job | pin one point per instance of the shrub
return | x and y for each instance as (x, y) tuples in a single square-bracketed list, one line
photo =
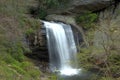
[(30, 69), (29, 32), (53, 77), (18, 69), (56, 3), (114, 64), (16, 51), (86, 19), (107, 78), (7, 73), (26, 65), (13, 23), (84, 58), (34, 24), (41, 13)]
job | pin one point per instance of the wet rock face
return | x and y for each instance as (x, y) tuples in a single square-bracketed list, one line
[(78, 6), (38, 45)]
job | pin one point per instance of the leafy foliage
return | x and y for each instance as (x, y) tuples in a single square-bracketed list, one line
[(43, 5), (103, 52), (41, 13), (86, 19), (13, 24), (29, 32), (56, 3)]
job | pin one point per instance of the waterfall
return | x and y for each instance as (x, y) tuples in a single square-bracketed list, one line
[(62, 48)]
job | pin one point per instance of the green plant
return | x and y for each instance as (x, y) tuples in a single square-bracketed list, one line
[(30, 69), (7, 73), (34, 24), (43, 5), (114, 63), (18, 69), (41, 13), (26, 65), (56, 3), (16, 51), (53, 77), (107, 78), (86, 19), (13, 24), (84, 58), (52, 3), (29, 31), (7, 58)]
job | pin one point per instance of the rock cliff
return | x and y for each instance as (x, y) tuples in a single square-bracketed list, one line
[(78, 6)]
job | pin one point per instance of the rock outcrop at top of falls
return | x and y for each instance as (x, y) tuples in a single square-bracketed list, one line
[(78, 6)]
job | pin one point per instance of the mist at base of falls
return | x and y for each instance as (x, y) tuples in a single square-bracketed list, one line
[(62, 48), (69, 71)]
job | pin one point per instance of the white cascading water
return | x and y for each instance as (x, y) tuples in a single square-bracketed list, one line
[(62, 48)]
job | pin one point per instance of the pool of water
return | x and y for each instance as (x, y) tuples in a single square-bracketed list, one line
[(82, 75)]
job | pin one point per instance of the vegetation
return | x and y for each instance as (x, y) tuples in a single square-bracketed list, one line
[(14, 22), (41, 12), (87, 19), (103, 53), (55, 3)]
